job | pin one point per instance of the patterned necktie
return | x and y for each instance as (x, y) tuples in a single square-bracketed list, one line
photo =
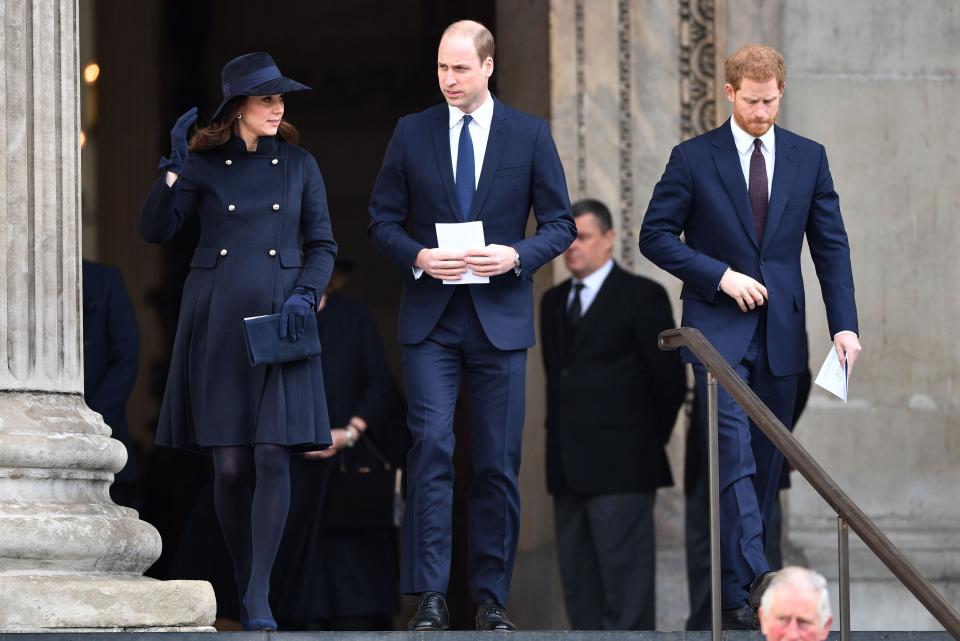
[(759, 199), (575, 311), (466, 172)]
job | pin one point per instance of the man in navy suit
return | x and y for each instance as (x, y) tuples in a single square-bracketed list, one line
[(471, 159), (111, 349), (744, 196)]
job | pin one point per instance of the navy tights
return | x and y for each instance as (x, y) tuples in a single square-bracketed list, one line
[(251, 492)]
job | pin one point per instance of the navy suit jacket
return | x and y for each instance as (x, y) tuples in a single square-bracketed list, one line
[(703, 195), (415, 189)]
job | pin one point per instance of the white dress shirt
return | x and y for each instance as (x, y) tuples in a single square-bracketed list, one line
[(744, 144), (591, 286), (479, 133)]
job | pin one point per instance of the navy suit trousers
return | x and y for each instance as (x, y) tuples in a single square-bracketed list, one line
[(749, 468), (457, 349)]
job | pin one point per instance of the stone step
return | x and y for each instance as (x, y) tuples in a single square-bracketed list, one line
[(538, 635)]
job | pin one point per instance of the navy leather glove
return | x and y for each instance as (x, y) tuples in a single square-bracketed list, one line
[(293, 315), (178, 143)]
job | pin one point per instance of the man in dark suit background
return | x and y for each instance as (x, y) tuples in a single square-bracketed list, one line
[(471, 159), (111, 348), (612, 399), (745, 196)]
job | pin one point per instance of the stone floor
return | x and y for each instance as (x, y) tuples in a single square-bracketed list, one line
[(460, 636)]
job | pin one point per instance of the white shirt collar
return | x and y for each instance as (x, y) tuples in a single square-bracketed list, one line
[(744, 141), (594, 280), (482, 115)]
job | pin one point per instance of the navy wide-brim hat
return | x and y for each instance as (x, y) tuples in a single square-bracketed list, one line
[(253, 74)]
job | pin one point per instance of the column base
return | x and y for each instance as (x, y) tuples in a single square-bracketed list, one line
[(104, 603)]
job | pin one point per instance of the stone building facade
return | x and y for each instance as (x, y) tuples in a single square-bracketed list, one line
[(621, 82)]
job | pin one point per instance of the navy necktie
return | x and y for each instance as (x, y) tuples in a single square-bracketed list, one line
[(466, 171), (759, 199)]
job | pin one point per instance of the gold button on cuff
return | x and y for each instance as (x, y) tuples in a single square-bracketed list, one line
[(274, 161), (231, 207), (228, 162), (273, 252), (223, 252), (276, 207)]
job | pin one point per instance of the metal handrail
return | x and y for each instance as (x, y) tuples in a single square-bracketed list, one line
[(849, 513)]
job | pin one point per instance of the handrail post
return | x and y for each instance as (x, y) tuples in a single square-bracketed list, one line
[(713, 454), (843, 558)]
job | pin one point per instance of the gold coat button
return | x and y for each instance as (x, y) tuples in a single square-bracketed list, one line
[(228, 162), (276, 206), (273, 252), (223, 252), (274, 161), (231, 207)]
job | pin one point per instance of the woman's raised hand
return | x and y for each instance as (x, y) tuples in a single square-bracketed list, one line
[(178, 142)]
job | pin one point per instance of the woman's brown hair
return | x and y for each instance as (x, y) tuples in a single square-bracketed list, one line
[(220, 130)]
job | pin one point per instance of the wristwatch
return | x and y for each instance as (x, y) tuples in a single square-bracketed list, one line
[(516, 261), (351, 435)]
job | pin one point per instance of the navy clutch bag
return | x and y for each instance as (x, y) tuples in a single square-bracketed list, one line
[(265, 347)]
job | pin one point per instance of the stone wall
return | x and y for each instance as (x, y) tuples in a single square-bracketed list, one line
[(877, 83)]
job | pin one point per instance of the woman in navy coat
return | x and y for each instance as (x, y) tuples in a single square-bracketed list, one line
[(266, 246)]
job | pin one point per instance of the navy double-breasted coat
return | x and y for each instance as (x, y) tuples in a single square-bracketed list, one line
[(265, 229)]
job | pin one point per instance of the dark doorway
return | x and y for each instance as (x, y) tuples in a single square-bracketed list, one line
[(368, 63)]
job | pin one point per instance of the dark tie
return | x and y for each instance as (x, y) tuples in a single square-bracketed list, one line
[(575, 311), (758, 188), (466, 173)]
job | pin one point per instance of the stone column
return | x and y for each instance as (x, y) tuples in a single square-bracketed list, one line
[(70, 559)]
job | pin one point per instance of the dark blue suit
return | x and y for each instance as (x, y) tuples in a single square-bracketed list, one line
[(480, 332), (703, 195), (111, 348)]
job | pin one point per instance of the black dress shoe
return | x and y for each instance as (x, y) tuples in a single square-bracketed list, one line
[(743, 618), (492, 616), (431, 613), (758, 586)]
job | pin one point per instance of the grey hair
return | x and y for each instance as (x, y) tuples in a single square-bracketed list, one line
[(803, 578)]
